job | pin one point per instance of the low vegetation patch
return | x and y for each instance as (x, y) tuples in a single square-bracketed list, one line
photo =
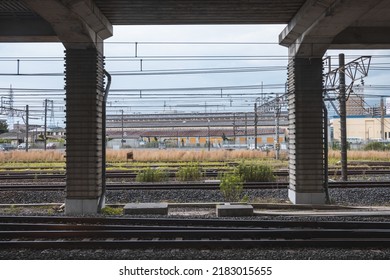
[(191, 172), (152, 175), (111, 211), (255, 172), (231, 187), (377, 146)]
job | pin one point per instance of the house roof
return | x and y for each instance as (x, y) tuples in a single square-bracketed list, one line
[(12, 135), (190, 133)]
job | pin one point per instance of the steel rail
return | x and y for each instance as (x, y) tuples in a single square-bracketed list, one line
[(198, 244), (123, 222), (31, 175), (189, 234), (189, 185), (81, 234)]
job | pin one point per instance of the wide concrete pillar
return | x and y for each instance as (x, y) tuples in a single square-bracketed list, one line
[(84, 97), (306, 140)]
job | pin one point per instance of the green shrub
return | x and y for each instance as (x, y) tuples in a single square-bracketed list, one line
[(191, 172), (255, 172), (231, 187), (112, 211), (377, 146), (151, 175)]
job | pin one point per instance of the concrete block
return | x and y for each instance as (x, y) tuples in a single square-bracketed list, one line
[(307, 197), (234, 210), (75, 206), (145, 209)]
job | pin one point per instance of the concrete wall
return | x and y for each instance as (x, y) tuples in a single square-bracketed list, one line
[(364, 128)]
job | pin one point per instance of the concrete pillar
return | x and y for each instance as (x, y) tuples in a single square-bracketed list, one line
[(84, 97), (306, 146)]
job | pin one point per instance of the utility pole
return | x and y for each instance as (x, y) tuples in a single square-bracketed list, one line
[(45, 128), (234, 128), (255, 125), (277, 115), (382, 118), (27, 127), (122, 131), (350, 70), (208, 130), (343, 118), (246, 129)]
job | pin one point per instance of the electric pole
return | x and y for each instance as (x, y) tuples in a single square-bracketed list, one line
[(343, 118), (246, 129), (122, 131), (234, 128), (208, 130), (277, 115), (256, 125), (350, 70), (382, 118), (27, 127), (45, 126)]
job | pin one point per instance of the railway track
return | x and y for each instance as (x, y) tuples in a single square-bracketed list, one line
[(211, 173), (188, 185), (175, 165), (132, 233)]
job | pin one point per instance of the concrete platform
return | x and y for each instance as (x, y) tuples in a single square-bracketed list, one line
[(145, 209), (234, 210)]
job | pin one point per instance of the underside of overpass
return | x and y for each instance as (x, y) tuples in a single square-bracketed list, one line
[(313, 26)]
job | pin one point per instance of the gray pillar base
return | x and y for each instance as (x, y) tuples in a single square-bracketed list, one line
[(82, 206), (234, 210), (146, 208), (306, 198)]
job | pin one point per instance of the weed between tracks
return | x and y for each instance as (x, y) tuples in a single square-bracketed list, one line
[(25, 210)]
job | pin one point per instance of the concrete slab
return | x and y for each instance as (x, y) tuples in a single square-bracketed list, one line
[(81, 206), (306, 198), (145, 209), (234, 210)]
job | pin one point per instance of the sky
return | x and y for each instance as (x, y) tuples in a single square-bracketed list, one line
[(184, 69)]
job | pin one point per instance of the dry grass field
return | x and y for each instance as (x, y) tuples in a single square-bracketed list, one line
[(32, 156), (170, 155), (361, 155)]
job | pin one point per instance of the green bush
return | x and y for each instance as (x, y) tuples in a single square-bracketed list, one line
[(231, 187), (377, 146), (336, 145), (255, 172), (191, 172), (112, 211), (152, 144), (151, 175)]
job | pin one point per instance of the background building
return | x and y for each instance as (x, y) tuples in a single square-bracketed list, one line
[(363, 127)]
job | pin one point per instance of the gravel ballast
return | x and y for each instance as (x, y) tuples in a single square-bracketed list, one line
[(352, 196), (343, 197)]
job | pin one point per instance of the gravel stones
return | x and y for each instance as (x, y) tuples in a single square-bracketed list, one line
[(357, 197), (354, 196)]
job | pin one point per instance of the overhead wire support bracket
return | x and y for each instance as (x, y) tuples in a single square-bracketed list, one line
[(351, 69)]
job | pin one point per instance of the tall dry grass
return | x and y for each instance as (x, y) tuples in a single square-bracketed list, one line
[(187, 155), (169, 155), (141, 155), (361, 155), (32, 156)]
